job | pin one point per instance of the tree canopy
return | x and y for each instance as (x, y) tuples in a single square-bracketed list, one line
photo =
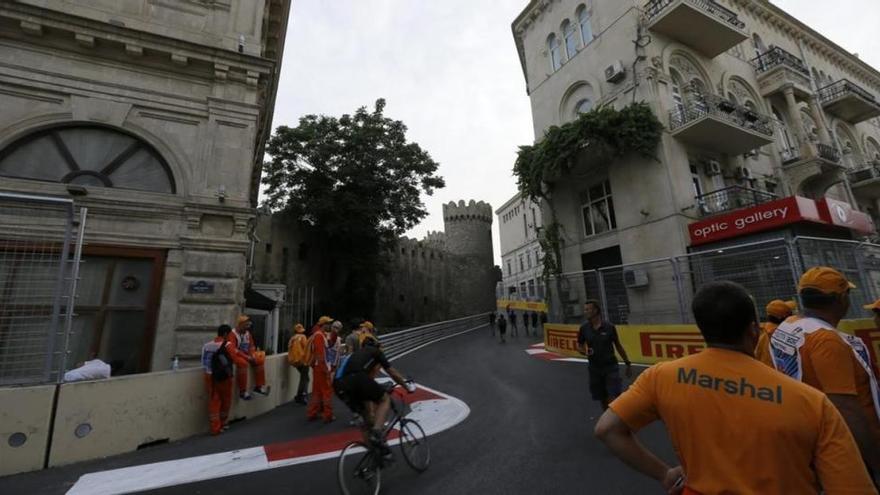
[(357, 182)]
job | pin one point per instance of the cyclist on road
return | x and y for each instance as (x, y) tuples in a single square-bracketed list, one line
[(355, 384)]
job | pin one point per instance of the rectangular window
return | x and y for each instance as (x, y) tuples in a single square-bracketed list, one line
[(268, 248), (522, 289), (525, 226), (597, 209), (532, 288), (534, 220), (697, 183), (522, 265), (509, 268), (528, 260)]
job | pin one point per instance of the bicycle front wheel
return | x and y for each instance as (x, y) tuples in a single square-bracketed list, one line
[(414, 445), (358, 470)]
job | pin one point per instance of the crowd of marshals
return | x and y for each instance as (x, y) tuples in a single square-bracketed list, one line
[(803, 418)]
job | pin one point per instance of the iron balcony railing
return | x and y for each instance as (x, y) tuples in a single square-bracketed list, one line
[(776, 57), (656, 7), (863, 174), (824, 151), (711, 105), (732, 198), (841, 88)]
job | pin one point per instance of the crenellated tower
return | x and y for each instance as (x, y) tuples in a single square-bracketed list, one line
[(468, 229)]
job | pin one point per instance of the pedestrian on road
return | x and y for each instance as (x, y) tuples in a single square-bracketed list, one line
[(217, 364), (535, 323), (736, 425), (296, 356), (597, 339), (513, 330), (809, 348), (246, 356), (502, 327), (543, 318), (777, 311), (353, 340), (320, 402), (492, 317), (334, 345)]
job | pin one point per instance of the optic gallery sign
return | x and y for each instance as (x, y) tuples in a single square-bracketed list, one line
[(759, 218)]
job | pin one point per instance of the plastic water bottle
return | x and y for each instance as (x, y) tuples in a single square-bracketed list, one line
[(175, 363)]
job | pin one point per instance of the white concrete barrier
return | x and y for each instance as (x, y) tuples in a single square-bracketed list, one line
[(107, 417), (25, 420)]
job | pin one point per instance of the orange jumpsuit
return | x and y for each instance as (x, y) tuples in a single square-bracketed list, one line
[(244, 349), (320, 401), (219, 392)]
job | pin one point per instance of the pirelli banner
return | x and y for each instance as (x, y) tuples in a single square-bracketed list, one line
[(521, 305), (649, 344)]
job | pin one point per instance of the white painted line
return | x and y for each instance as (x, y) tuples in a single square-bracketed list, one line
[(433, 415)]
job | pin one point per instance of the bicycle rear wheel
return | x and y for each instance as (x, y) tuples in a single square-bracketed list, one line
[(414, 445), (358, 470)]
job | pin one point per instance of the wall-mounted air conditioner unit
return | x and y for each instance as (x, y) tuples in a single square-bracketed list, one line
[(743, 173), (712, 168), (635, 278), (615, 72)]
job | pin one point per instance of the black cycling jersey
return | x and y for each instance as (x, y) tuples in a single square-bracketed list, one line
[(365, 360)]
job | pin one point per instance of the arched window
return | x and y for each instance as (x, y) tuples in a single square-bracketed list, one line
[(88, 155), (553, 49), (872, 150), (676, 92), (583, 16), (583, 106), (570, 39)]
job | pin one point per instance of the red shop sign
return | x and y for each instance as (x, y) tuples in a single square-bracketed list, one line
[(841, 214), (759, 218)]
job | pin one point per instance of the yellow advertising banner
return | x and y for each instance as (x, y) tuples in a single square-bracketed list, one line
[(521, 305), (650, 344)]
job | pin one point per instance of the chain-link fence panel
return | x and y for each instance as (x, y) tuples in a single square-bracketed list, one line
[(642, 293), (848, 257), (567, 293), (35, 239), (767, 270)]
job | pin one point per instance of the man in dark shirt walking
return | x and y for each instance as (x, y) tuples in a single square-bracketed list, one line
[(597, 339)]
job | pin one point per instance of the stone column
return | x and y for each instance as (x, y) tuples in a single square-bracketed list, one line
[(797, 127), (819, 117)]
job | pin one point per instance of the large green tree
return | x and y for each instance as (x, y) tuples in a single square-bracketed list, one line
[(357, 182)]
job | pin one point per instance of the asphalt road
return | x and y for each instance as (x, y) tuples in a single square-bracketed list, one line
[(529, 431)]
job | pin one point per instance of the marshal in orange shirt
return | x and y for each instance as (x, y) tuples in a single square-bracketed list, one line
[(762, 350), (830, 365), (740, 427)]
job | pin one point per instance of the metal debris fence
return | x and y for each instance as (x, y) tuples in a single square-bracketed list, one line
[(39, 257), (661, 291)]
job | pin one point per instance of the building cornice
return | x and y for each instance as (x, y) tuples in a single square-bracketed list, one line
[(812, 38)]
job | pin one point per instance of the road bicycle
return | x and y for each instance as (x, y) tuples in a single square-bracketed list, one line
[(360, 465)]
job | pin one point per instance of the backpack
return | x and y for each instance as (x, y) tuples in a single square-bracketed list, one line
[(296, 350), (221, 364), (309, 352)]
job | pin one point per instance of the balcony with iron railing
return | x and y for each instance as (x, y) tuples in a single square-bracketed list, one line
[(778, 69), (849, 101), (703, 25), (711, 122), (863, 175), (730, 199), (812, 168)]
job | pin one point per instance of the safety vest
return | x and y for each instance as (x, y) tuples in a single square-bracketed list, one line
[(790, 336)]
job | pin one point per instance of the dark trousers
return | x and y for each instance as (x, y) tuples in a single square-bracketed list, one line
[(303, 387)]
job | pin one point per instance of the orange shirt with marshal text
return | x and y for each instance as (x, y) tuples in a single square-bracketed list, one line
[(741, 427)]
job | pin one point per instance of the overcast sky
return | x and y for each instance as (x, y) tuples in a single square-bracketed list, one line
[(449, 70)]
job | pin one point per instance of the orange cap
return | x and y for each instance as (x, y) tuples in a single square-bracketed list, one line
[(242, 319), (825, 280), (778, 308), (874, 306), (324, 320), (368, 325)]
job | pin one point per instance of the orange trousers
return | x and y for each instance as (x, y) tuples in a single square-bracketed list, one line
[(321, 400), (219, 402), (241, 374)]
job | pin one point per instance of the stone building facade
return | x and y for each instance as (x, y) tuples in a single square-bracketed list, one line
[(154, 115), (446, 275), (519, 223), (756, 105)]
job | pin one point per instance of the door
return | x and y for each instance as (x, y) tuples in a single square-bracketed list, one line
[(115, 316)]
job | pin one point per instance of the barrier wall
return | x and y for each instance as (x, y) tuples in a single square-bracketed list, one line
[(28, 422), (107, 417), (650, 344)]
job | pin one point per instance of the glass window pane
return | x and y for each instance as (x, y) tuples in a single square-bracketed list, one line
[(612, 220), (588, 223), (597, 192), (94, 148), (131, 283), (82, 339), (601, 219), (93, 278)]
